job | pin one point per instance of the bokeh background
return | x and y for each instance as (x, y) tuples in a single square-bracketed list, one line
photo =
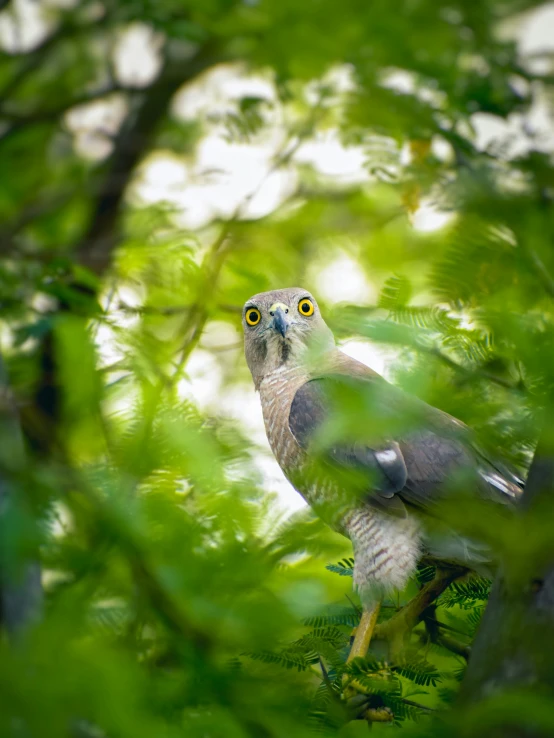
[(162, 161)]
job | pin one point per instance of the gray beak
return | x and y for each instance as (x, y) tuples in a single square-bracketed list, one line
[(279, 322)]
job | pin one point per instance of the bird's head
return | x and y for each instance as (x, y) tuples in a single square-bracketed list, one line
[(279, 328)]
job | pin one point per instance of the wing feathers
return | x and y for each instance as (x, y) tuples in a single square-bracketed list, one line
[(309, 411), (414, 468)]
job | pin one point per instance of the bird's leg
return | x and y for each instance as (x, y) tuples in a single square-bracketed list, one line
[(364, 633), (359, 648)]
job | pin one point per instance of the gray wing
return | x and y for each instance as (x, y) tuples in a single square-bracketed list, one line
[(413, 468)]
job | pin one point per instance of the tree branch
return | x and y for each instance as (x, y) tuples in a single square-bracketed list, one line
[(345, 329), (131, 144), (71, 25), (435, 633), (395, 629), (18, 121)]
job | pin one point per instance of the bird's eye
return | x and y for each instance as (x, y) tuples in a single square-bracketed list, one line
[(253, 316), (306, 307)]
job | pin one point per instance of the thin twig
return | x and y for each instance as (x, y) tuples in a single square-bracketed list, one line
[(325, 675), (214, 259), (437, 353), (418, 705), (540, 270), (354, 606), (19, 121)]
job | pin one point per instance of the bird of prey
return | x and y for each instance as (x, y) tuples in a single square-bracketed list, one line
[(380, 482)]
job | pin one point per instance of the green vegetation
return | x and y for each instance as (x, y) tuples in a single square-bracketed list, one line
[(178, 599)]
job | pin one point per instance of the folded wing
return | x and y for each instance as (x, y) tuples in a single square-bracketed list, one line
[(411, 468)]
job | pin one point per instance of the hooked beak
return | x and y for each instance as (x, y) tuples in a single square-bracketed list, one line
[(279, 322)]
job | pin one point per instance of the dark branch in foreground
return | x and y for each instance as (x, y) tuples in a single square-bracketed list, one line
[(518, 626), (435, 632), (131, 144), (20, 591)]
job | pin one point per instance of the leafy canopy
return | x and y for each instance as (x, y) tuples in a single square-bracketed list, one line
[(179, 599)]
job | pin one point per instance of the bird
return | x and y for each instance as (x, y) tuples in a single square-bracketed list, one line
[(380, 482)]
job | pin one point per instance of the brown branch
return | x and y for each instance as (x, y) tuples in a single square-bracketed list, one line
[(33, 59), (18, 121), (131, 144), (71, 25), (454, 645)]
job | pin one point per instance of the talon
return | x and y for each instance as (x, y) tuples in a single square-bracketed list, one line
[(378, 715)]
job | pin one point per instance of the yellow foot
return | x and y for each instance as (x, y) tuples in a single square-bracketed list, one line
[(378, 715), (362, 639), (364, 633)]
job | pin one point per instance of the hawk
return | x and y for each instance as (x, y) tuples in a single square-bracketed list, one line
[(382, 482)]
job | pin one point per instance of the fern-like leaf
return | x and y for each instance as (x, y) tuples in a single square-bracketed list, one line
[(396, 293), (375, 677), (344, 568), (425, 574), (474, 618), (420, 672), (341, 616), (288, 658), (403, 709), (331, 635), (466, 594)]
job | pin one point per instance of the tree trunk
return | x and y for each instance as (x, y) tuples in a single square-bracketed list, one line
[(514, 648)]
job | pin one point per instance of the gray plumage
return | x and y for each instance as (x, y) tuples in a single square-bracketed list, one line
[(380, 487)]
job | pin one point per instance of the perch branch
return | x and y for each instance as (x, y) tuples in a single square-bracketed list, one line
[(394, 629)]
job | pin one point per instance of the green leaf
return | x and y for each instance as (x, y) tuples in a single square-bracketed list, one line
[(396, 293), (419, 671), (344, 568)]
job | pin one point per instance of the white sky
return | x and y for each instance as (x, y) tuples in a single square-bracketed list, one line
[(223, 177)]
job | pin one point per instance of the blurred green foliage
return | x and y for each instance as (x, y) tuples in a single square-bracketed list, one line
[(180, 600)]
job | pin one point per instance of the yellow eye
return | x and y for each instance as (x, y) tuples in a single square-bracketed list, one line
[(253, 316), (306, 307)]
